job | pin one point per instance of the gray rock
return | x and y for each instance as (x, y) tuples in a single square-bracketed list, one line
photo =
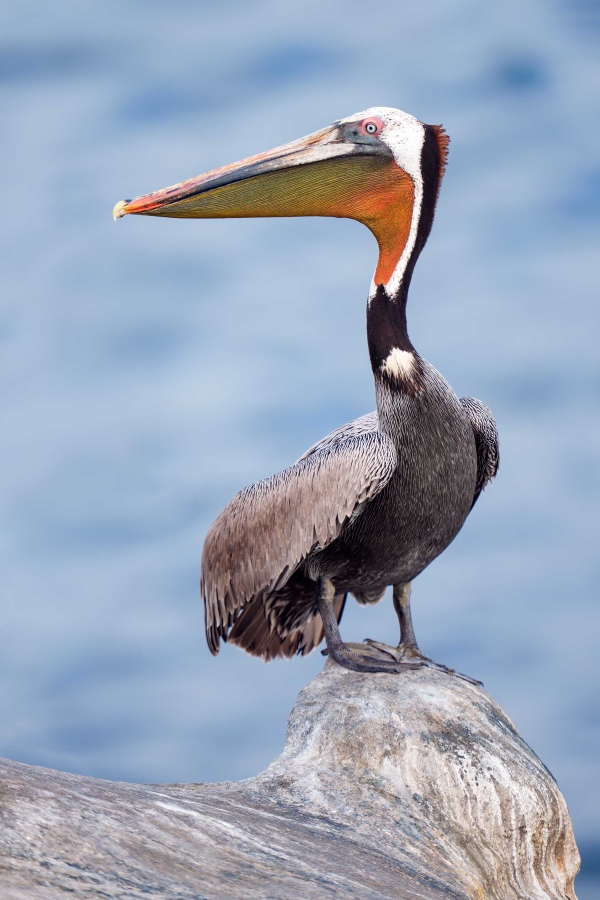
[(390, 786)]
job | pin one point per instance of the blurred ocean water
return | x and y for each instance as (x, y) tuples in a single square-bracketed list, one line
[(150, 369)]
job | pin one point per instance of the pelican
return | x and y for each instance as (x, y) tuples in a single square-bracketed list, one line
[(375, 501)]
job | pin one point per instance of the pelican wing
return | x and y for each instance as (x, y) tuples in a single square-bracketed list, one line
[(263, 535), (486, 442)]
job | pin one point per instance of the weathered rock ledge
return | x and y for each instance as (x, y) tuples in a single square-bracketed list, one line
[(390, 786)]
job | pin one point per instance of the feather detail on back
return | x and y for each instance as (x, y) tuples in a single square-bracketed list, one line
[(367, 424), (264, 534)]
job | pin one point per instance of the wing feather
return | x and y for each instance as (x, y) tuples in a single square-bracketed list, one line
[(266, 531), (367, 424), (486, 442), (255, 632)]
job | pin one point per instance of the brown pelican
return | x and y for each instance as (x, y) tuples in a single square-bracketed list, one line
[(374, 502)]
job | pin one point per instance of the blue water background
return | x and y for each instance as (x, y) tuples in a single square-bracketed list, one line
[(150, 369)]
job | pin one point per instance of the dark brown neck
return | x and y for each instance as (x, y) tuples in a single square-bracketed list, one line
[(386, 327)]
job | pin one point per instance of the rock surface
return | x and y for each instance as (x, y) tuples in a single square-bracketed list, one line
[(390, 786)]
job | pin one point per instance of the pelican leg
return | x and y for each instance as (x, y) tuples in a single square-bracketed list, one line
[(343, 654), (401, 597), (408, 649)]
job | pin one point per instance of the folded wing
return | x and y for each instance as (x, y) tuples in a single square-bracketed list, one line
[(486, 442), (265, 533)]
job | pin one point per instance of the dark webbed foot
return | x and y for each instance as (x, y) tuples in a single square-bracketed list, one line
[(408, 649), (375, 657), (404, 653), (358, 661)]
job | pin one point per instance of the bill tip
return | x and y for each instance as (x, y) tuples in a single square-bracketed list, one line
[(119, 209)]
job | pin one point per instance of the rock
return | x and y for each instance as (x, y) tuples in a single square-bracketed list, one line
[(390, 786)]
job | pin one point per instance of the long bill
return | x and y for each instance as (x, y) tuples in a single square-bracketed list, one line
[(324, 174)]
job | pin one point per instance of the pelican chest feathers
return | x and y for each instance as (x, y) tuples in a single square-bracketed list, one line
[(375, 501)]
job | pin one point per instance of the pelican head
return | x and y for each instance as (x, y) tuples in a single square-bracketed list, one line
[(381, 167)]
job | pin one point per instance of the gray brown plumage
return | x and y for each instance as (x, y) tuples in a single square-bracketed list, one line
[(260, 526), (284, 623)]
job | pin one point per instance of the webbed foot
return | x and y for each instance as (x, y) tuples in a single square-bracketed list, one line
[(404, 653)]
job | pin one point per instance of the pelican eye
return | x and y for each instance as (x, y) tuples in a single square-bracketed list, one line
[(371, 128)]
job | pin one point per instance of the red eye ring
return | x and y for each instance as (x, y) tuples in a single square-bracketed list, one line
[(372, 126)]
